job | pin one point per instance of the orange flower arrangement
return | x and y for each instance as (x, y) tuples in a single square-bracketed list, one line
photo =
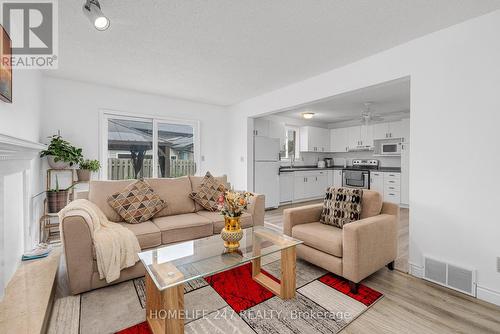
[(233, 203)]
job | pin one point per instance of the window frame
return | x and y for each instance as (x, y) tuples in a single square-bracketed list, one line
[(297, 141), (106, 114)]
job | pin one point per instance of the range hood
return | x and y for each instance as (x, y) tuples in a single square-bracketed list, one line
[(360, 148)]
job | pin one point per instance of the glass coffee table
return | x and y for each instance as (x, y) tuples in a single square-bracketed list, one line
[(169, 267)]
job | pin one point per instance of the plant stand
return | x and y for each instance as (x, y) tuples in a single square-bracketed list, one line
[(49, 222)]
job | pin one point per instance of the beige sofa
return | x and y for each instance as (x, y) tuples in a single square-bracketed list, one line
[(354, 252), (181, 220)]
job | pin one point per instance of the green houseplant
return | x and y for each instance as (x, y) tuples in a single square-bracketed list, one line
[(57, 198), (86, 167), (61, 154)]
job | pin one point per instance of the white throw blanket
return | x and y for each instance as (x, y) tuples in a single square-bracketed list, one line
[(116, 246)]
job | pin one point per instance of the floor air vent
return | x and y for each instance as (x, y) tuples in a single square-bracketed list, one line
[(451, 276)]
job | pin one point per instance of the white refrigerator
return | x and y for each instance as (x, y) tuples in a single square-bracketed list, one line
[(266, 169)]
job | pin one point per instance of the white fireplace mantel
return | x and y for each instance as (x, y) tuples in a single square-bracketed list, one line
[(16, 155)]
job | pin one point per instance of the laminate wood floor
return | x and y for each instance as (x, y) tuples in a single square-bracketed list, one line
[(410, 305)]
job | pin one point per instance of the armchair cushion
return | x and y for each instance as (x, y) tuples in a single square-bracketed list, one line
[(341, 206), (325, 238)]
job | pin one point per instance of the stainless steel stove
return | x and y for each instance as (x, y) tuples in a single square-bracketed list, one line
[(358, 175)]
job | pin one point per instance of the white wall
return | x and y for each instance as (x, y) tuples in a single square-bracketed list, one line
[(455, 84), (20, 119), (73, 107)]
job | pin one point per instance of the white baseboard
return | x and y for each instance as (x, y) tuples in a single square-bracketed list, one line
[(416, 270), (488, 295)]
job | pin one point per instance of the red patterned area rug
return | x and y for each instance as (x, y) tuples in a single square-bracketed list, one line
[(324, 305)]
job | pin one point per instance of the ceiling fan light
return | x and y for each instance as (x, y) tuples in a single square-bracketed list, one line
[(308, 115)]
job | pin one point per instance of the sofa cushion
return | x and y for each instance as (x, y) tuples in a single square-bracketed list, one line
[(183, 227), (99, 192), (175, 192), (341, 206), (208, 192), (147, 233), (136, 203), (325, 238), (218, 220), (371, 204), (196, 183)]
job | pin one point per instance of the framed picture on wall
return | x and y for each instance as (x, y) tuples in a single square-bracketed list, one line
[(5, 66)]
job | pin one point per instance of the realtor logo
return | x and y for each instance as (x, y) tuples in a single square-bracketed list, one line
[(32, 27)]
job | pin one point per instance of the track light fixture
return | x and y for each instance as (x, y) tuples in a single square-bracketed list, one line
[(92, 9)]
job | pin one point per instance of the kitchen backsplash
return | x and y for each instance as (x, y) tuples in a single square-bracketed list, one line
[(311, 158)]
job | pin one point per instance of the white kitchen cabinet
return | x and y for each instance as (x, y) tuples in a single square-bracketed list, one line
[(299, 186), (314, 139), (337, 178), (380, 131), (392, 190), (387, 130), (366, 135), (377, 182), (354, 135), (395, 129), (309, 184), (261, 127), (339, 140), (286, 187), (405, 173), (360, 136)]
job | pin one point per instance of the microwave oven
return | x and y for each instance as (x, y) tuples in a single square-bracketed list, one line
[(391, 149)]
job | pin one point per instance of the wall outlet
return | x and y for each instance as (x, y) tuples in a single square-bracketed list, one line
[(498, 264)]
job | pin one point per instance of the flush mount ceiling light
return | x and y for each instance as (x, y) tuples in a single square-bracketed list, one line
[(308, 115), (92, 9)]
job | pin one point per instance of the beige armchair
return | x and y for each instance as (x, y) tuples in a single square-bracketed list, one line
[(354, 252)]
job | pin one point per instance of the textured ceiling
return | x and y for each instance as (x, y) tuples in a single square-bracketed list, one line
[(225, 51), (390, 98)]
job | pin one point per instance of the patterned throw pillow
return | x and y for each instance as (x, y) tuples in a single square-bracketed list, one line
[(341, 206), (136, 203), (209, 193)]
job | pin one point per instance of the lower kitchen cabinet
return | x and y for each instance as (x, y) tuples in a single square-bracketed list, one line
[(388, 184), (309, 185), (286, 187), (337, 178), (377, 182)]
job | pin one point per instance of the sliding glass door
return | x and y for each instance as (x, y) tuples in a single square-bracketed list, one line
[(175, 150), (141, 147)]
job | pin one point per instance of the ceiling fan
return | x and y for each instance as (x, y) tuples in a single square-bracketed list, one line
[(368, 116)]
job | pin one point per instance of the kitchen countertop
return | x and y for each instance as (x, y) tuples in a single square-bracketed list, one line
[(308, 168), (304, 168)]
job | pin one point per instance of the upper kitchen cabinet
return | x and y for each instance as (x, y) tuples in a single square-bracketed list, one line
[(314, 139), (360, 136), (339, 140), (366, 132), (387, 130)]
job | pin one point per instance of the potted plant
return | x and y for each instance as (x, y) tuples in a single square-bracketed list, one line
[(86, 167), (57, 198), (61, 154), (232, 204)]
